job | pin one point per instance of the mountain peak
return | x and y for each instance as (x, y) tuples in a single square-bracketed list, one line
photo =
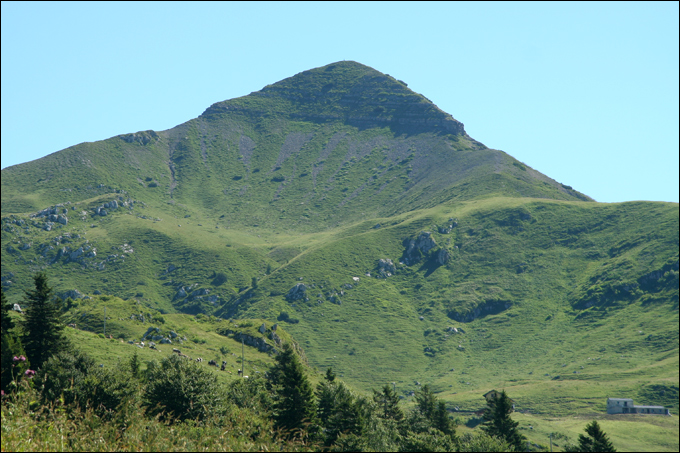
[(345, 91)]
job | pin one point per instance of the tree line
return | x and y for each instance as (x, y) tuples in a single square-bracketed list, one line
[(280, 409)]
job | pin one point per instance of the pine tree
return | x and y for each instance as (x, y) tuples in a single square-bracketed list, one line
[(498, 422), (295, 407), (442, 421), (388, 403), (426, 402), (43, 325), (340, 412), (6, 307), (597, 440)]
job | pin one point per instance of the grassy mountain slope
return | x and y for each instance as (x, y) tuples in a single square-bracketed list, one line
[(563, 301)]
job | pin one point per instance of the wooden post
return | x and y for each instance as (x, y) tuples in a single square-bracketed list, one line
[(243, 363)]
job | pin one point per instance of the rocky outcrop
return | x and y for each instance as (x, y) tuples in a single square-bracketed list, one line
[(490, 307), (386, 268), (73, 294), (143, 138), (418, 247), (299, 291), (443, 256)]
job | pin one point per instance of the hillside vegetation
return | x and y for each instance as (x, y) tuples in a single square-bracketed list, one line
[(279, 207)]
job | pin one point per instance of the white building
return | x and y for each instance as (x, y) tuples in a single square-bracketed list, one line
[(626, 406)]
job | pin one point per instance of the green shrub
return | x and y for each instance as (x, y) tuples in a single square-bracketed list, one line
[(220, 279), (63, 374), (181, 389)]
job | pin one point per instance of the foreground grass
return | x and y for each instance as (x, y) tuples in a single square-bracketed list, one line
[(66, 429)]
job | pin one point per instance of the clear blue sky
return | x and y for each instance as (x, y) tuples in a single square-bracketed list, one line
[(586, 93)]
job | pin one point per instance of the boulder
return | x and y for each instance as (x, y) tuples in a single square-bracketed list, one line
[(416, 248), (299, 291), (173, 334), (443, 256), (181, 294), (62, 219), (76, 254), (263, 328), (73, 294), (149, 330), (386, 266)]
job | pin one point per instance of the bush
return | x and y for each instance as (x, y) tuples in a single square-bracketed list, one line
[(181, 389), (284, 316), (220, 279), (75, 377), (251, 393), (63, 374)]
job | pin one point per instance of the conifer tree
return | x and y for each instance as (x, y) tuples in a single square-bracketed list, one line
[(426, 402), (597, 440), (340, 412), (7, 323), (295, 406), (388, 403), (498, 422), (442, 421), (43, 325)]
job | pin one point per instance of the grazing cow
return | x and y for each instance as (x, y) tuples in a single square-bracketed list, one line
[(199, 359), (213, 363), (224, 365), (72, 325)]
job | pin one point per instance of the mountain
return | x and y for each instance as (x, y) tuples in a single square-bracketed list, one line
[(392, 245)]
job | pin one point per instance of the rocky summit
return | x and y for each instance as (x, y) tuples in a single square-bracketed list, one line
[(392, 245)]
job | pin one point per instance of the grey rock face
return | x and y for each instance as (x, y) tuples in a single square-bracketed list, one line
[(443, 257), (263, 328), (73, 294), (181, 294), (76, 254), (200, 292), (149, 331), (298, 291), (416, 248), (62, 219), (386, 266)]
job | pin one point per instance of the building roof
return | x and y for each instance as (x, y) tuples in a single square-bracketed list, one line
[(649, 407), (619, 399)]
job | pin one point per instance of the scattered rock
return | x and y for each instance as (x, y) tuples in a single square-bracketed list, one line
[(263, 328)]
